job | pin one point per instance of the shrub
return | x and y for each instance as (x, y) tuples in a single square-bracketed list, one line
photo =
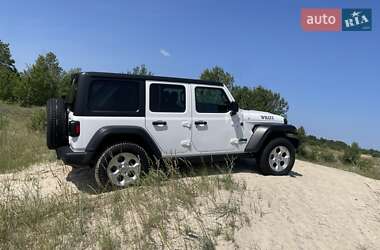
[(307, 153), (38, 120), (312, 155), (301, 151), (365, 164), (351, 154), (301, 134), (327, 156)]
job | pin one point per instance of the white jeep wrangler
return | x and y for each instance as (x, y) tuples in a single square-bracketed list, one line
[(117, 122)]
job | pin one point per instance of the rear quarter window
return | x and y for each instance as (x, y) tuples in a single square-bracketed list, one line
[(116, 97)]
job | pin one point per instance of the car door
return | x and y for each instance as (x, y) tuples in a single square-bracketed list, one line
[(214, 130), (168, 116)]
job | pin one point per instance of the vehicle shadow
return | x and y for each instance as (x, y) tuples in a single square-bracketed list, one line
[(84, 178)]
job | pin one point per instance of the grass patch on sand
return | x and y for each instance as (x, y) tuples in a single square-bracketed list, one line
[(22, 139), (168, 209), (365, 165)]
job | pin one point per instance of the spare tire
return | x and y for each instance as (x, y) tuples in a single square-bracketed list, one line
[(56, 130)]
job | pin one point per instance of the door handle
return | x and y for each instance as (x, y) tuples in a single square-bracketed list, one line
[(157, 123), (200, 123)]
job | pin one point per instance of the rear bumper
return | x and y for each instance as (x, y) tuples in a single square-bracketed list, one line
[(72, 158)]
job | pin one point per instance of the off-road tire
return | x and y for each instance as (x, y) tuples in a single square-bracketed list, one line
[(264, 161), (56, 128), (101, 166)]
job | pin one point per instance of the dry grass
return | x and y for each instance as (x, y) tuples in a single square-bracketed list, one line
[(20, 146), (367, 165), (166, 210)]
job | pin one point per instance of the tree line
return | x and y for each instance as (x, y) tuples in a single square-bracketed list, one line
[(45, 79), (258, 98), (37, 83), (351, 152)]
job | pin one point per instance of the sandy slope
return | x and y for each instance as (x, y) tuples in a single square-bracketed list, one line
[(316, 207), (49, 179)]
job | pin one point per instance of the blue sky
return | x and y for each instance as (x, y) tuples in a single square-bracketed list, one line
[(330, 79)]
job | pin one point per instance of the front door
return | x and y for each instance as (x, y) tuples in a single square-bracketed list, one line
[(168, 117), (214, 130)]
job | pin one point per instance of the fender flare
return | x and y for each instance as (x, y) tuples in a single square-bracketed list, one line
[(106, 132), (262, 132)]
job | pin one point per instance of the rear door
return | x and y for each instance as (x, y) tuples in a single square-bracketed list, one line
[(214, 129), (168, 116)]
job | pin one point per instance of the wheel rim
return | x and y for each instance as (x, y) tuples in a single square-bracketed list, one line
[(124, 169), (279, 158)]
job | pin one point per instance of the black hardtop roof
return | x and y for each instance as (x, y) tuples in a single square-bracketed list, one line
[(151, 78)]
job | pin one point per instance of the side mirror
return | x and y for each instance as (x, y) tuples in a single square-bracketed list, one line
[(234, 108)]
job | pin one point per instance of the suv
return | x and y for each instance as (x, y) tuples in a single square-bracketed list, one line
[(117, 123)]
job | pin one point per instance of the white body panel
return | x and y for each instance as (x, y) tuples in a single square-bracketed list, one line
[(90, 124), (223, 134), (253, 117), (173, 139)]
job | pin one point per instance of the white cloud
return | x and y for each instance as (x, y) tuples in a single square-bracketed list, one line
[(164, 52)]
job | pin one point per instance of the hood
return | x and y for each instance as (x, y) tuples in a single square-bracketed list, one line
[(260, 116)]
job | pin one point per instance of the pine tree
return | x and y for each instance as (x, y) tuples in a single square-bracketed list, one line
[(217, 74), (8, 73), (40, 81)]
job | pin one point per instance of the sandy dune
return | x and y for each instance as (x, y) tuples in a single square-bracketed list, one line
[(316, 207)]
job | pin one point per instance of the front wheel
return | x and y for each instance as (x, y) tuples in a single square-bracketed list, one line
[(278, 157), (121, 165)]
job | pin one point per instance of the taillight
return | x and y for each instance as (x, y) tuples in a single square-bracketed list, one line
[(74, 128)]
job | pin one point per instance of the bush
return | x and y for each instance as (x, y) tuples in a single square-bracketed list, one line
[(301, 151), (351, 154), (365, 164), (327, 156), (307, 153), (38, 120)]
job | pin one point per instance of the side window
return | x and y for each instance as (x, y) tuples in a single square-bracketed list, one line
[(167, 98), (114, 95), (211, 100)]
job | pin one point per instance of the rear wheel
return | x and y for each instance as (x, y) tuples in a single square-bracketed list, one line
[(121, 165), (278, 157)]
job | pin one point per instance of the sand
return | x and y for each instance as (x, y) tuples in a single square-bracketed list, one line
[(315, 207)]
